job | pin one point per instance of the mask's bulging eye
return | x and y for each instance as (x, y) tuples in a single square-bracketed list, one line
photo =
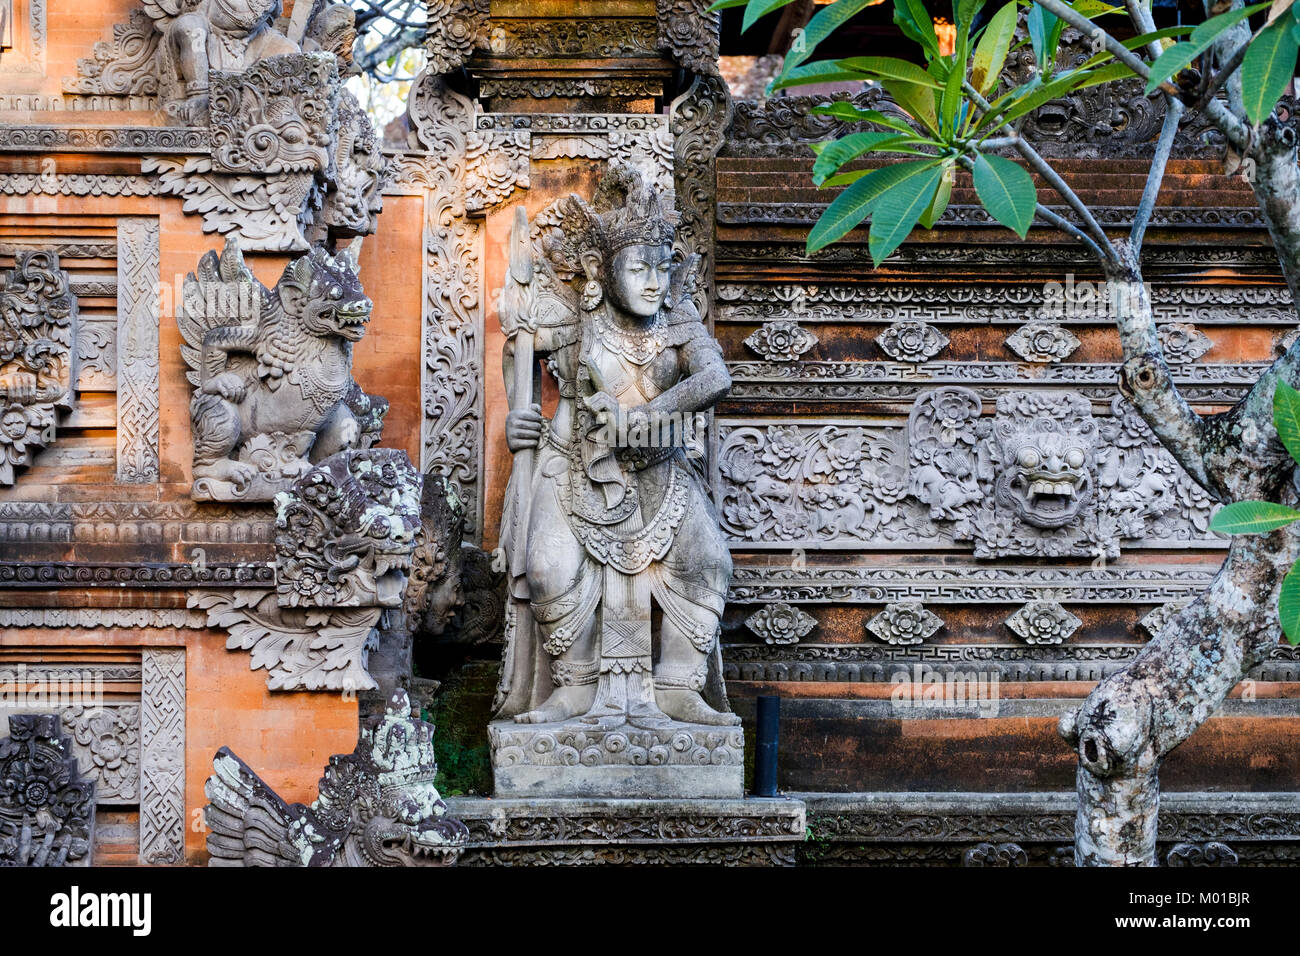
[(1075, 458), (1028, 458)]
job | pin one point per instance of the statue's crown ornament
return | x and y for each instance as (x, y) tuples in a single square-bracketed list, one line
[(625, 211)]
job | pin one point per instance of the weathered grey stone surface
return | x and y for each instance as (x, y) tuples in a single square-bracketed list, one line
[(47, 808)]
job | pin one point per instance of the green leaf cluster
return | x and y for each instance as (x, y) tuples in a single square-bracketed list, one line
[(1259, 517)]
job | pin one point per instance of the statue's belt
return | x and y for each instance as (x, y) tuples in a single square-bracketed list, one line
[(632, 551)]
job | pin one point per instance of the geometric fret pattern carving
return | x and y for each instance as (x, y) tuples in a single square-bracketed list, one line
[(162, 756), (137, 350)]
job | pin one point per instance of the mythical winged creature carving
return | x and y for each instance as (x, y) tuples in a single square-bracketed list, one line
[(377, 806), (272, 370)]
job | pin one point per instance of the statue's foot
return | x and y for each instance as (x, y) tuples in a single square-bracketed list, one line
[(225, 469), (689, 707), (564, 703)]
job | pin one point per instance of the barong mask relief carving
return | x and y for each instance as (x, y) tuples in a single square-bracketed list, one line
[(1043, 476), (346, 531), (272, 370), (38, 320), (606, 514)]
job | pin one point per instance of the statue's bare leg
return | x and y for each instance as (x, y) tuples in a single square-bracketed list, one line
[(565, 591), (574, 674), (681, 672)]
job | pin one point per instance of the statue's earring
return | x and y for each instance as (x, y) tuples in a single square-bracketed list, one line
[(591, 294)]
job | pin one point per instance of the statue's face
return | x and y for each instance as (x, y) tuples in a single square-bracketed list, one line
[(639, 277)]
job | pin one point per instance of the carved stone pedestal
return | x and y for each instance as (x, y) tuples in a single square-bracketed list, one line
[(573, 759), (515, 832)]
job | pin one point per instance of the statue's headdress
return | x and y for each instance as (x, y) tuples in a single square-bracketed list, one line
[(626, 211)]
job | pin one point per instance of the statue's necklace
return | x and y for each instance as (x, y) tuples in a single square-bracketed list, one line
[(638, 346)]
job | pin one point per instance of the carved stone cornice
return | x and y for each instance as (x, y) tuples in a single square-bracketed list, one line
[(1001, 254), (76, 184), (71, 574), (103, 617), (966, 216), (604, 37), (967, 585), (577, 832), (103, 139)]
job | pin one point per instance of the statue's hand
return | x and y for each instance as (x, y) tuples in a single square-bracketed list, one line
[(229, 385), (524, 427), (605, 407)]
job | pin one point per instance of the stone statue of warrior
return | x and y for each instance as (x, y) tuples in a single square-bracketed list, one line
[(618, 570)]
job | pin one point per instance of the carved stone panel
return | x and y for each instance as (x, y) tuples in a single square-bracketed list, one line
[(162, 755), (38, 329), (137, 350), (47, 808)]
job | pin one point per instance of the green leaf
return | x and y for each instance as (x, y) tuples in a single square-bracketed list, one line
[(834, 155), (991, 51), (854, 204), (1268, 68), (1041, 25), (824, 71), (889, 68), (724, 4), (917, 101), (1176, 58), (851, 114), (1288, 604), (899, 209), (1006, 191), (1286, 417), (760, 8), (916, 24), (1252, 517), (826, 22), (942, 193)]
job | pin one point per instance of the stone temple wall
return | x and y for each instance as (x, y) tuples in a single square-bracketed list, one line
[(866, 467)]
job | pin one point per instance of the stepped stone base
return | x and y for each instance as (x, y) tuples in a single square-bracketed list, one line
[(572, 759), (516, 832)]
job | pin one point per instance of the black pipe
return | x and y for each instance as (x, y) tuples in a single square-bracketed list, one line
[(769, 731)]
